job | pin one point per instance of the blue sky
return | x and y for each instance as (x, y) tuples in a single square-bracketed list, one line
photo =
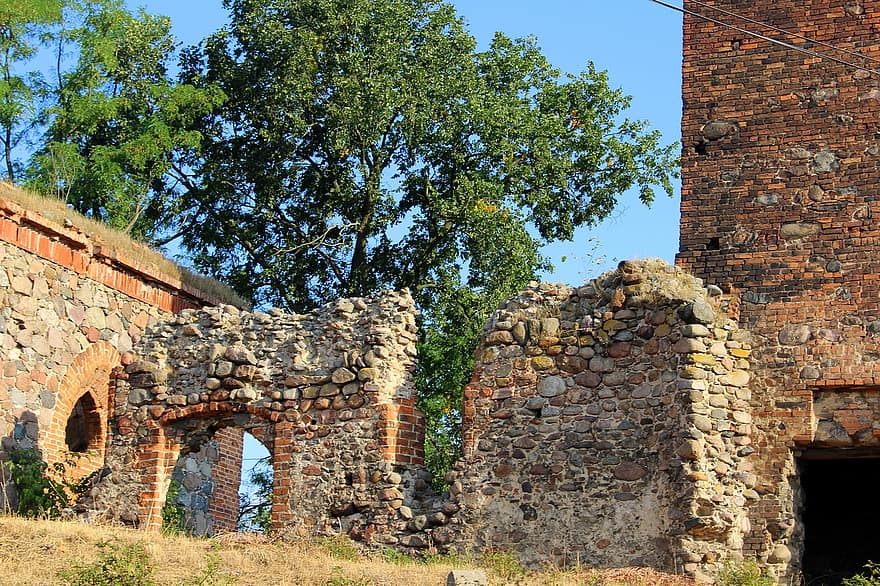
[(638, 42)]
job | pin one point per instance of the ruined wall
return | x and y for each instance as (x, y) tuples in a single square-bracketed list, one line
[(329, 393), (70, 309), (779, 204), (610, 425)]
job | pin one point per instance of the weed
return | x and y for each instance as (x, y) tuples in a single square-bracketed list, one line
[(117, 565), (339, 578), (211, 575), (503, 564), (746, 573), (869, 577), (43, 490), (172, 512), (339, 547)]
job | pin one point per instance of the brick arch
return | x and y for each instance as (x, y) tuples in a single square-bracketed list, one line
[(156, 459), (89, 375)]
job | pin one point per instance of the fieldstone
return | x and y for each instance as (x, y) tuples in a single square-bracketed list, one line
[(629, 471), (781, 554), (519, 332), (794, 334), (737, 378), (832, 433), (698, 312), (690, 450), (543, 362), (718, 129), (825, 161), (342, 376), (239, 354), (551, 386), (796, 230), (588, 379)]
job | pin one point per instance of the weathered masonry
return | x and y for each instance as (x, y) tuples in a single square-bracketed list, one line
[(71, 308), (779, 207)]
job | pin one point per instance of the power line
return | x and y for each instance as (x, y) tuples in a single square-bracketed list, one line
[(809, 52), (781, 30)]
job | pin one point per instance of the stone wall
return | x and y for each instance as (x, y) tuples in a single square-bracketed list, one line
[(610, 425), (70, 309), (329, 393), (779, 204)]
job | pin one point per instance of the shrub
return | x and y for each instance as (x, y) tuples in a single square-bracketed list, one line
[(42, 493), (117, 565), (869, 577), (746, 573)]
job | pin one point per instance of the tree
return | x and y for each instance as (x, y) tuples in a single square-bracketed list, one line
[(368, 144), (111, 121), (22, 24)]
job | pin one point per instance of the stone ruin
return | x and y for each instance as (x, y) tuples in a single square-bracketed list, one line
[(599, 419), (648, 417)]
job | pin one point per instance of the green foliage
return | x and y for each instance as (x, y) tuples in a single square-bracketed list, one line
[(869, 577), (22, 26), (746, 573), (43, 491), (172, 511), (338, 578), (255, 507), (117, 565), (367, 144), (339, 547), (503, 564), (117, 123)]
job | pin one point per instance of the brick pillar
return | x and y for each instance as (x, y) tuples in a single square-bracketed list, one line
[(223, 504)]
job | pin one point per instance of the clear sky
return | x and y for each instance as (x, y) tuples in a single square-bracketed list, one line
[(638, 42)]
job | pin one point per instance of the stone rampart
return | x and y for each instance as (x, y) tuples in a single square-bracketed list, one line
[(329, 393), (779, 205), (610, 425)]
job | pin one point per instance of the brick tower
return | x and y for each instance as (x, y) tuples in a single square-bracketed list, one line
[(781, 206)]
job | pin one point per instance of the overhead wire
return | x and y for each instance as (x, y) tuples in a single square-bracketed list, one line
[(750, 33)]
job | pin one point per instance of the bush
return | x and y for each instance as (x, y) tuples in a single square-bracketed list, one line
[(42, 493), (746, 573), (869, 577), (117, 565)]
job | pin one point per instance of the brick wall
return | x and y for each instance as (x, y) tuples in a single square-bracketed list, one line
[(223, 504), (779, 202)]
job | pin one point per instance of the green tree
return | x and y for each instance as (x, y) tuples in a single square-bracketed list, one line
[(117, 122), (111, 121), (368, 144), (255, 498), (22, 26)]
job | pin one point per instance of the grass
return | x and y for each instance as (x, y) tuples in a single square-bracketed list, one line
[(41, 552), (55, 210)]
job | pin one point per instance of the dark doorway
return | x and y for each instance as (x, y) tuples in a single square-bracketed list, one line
[(83, 426), (841, 515)]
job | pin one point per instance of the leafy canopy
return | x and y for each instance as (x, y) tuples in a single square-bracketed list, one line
[(369, 144)]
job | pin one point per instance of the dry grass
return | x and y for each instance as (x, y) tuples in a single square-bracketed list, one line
[(35, 552), (55, 210)]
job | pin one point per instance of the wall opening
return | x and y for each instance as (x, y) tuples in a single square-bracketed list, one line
[(256, 488), (839, 513), (83, 429)]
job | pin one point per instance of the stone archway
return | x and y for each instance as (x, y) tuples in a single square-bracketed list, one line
[(79, 421), (188, 428)]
